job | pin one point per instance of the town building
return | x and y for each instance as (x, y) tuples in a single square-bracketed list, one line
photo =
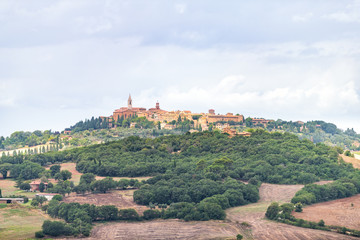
[(168, 119)]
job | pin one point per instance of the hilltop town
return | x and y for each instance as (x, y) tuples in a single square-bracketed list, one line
[(167, 119)]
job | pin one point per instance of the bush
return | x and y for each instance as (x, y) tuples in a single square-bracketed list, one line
[(151, 214), (39, 234), (56, 228), (298, 207), (239, 237), (272, 211), (57, 197), (128, 214)]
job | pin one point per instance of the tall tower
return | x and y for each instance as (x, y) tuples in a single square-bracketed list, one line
[(157, 105), (129, 102)]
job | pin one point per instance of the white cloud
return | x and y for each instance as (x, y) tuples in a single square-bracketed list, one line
[(75, 59), (180, 8), (302, 18), (351, 13)]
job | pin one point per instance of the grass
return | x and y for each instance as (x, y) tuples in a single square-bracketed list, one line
[(20, 222), (253, 208), (8, 188)]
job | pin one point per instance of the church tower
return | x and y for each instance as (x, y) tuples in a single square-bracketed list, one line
[(129, 102), (157, 105)]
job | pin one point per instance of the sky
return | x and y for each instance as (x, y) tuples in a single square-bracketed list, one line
[(65, 61)]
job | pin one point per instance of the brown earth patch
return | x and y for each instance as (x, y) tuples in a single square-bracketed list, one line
[(253, 215), (341, 212), (355, 162), (276, 192), (120, 198), (165, 229)]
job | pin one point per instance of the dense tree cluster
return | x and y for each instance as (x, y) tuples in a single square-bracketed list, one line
[(90, 124), (192, 196), (269, 157), (79, 217), (341, 188), (21, 139), (318, 131)]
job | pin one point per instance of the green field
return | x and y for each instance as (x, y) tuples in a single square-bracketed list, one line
[(19, 222), (8, 188)]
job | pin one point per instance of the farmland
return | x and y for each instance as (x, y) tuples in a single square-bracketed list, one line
[(247, 220), (19, 221), (341, 212)]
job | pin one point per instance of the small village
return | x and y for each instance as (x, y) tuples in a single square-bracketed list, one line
[(167, 119)]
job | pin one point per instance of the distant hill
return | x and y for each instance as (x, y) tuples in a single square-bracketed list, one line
[(96, 130)]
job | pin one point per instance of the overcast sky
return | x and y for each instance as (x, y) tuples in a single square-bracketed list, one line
[(64, 61)]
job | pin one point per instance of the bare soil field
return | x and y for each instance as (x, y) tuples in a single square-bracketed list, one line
[(166, 229), (255, 227), (120, 198), (355, 162), (341, 212)]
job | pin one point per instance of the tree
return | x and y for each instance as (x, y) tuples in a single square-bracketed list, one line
[(54, 170), (81, 188), (4, 168), (321, 223), (41, 187), (103, 185), (63, 175), (38, 200), (56, 228), (107, 212), (151, 214), (87, 178), (272, 211), (298, 207), (39, 234), (128, 214), (248, 122)]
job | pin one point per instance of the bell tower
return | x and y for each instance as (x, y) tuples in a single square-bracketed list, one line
[(129, 102), (157, 105)]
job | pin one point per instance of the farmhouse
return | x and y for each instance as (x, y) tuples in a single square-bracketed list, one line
[(11, 200), (34, 186)]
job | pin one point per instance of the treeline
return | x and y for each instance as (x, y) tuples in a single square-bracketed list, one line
[(20, 139), (282, 213), (318, 131), (341, 188), (90, 124), (104, 123)]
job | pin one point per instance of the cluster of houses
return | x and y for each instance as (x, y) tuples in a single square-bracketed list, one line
[(166, 118)]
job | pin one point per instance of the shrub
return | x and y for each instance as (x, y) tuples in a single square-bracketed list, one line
[(272, 211), (128, 214), (151, 214), (39, 234), (57, 197), (56, 228), (298, 207)]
